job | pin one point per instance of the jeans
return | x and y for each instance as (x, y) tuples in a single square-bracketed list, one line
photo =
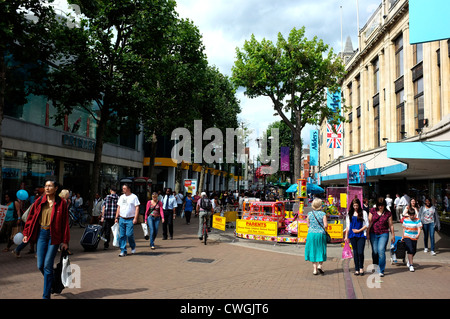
[(45, 253), (107, 224), (379, 243), (126, 228), (428, 229), (153, 224), (203, 214), (358, 244)]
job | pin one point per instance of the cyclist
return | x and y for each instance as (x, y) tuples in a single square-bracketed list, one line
[(204, 210)]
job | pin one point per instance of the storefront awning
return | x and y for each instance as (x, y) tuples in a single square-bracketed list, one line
[(424, 159)]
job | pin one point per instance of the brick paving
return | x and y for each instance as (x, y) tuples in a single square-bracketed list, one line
[(232, 268)]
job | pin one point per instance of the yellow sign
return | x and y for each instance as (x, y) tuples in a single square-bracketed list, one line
[(334, 230), (257, 227), (219, 222), (343, 200)]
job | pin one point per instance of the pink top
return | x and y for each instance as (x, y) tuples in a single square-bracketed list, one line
[(156, 210), (380, 223)]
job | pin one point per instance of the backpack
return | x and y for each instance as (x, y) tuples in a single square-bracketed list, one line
[(205, 204)]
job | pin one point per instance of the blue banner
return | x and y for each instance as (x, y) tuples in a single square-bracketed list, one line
[(334, 101), (314, 148), (356, 174)]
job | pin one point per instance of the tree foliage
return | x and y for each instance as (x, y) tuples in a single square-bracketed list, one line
[(294, 73)]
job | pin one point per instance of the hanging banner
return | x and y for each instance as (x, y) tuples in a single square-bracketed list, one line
[(284, 152), (334, 136), (190, 186), (314, 148), (334, 100)]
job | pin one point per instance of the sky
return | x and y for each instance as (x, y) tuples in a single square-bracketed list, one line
[(226, 24)]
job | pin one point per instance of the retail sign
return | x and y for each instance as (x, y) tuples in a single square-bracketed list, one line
[(219, 222), (314, 148), (336, 231), (256, 227), (78, 142)]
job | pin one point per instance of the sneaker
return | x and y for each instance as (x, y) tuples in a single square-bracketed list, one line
[(411, 268), (407, 264), (433, 253), (133, 251), (122, 254), (15, 253), (425, 250)]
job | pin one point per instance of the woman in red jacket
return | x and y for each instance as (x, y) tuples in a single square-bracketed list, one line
[(48, 226)]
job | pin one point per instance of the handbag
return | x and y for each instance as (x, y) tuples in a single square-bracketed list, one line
[(145, 230), (326, 233), (347, 251)]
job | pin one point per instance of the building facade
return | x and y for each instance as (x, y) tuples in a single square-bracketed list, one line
[(34, 149), (398, 119)]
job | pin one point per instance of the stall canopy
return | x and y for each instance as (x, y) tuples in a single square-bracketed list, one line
[(310, 189)]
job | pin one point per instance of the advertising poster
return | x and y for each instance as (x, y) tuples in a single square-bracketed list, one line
[(219, 222), (190, 186)]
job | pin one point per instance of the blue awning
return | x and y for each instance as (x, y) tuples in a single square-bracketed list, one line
[(437, 150)]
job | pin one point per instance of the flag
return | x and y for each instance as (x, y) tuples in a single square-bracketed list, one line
[(284, 150), (334, 137)]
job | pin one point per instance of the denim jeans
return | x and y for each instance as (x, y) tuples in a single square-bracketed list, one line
[(45, 253), (126, 228), (428, 229), (153, 224), (358, 244), (379, 243)]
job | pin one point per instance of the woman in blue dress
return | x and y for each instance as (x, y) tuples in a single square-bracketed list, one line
[(316, 240), (357, 222)]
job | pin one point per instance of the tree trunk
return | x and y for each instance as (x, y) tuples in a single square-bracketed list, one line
[(97, 158), (202, 179), (153, 145), (178, 175), (297, 156), (2, 105)]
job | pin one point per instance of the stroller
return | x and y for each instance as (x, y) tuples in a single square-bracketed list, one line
[(398, 250)]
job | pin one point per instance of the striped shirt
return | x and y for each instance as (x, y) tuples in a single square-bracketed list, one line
[(110, 204), (411, 228)]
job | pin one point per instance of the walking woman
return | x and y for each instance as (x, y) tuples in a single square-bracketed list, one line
[(188, 206), (430, 221), (316, 240), (413, 204), (11, 220), (48, 226), (153, 214), (357, 222), (380, 223)]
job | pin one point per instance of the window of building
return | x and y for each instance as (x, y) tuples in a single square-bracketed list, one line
[(376, 111), (358, 123), (418, 53), (399, 56), (419, 113), (376, 75), (401, 133)]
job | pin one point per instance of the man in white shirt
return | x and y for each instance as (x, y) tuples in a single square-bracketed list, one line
[(127, 215), (389, 202), (403, 202)]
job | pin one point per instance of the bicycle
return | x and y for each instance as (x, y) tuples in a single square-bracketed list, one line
[(205, 228), (78, 216)]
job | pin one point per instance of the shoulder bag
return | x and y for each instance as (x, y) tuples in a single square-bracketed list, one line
[(326, 233)]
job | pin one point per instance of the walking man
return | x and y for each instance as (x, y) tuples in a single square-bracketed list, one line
[(109, 209), (170, 211), (127, 216)]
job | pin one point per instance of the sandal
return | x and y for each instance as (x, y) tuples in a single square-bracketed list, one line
[(356, 273)]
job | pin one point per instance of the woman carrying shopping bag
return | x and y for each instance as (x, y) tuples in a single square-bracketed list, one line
[(48, 226), (357, 222)]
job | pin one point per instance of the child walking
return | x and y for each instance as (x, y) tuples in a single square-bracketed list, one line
[(411, 232)]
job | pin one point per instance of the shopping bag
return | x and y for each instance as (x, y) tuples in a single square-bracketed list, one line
[(347, 251), (57, 284), (145, 230), (115, 232), (66, 272)]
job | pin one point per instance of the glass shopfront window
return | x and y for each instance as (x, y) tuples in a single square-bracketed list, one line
[(29, 168)]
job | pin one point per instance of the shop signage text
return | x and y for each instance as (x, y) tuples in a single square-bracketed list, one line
[(78, 142)]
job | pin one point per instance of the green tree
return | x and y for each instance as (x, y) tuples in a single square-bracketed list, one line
[(294, 74), (107, 63), (26, 42)]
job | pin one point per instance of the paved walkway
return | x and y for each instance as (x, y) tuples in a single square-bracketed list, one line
[(226, 268)]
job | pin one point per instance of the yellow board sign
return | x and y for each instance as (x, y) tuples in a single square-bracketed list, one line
[(334, 230), (219, 222), (257, 227)]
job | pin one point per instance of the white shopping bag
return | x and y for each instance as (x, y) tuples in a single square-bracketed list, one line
[(145, 230), (66, 273), (115, 231)]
